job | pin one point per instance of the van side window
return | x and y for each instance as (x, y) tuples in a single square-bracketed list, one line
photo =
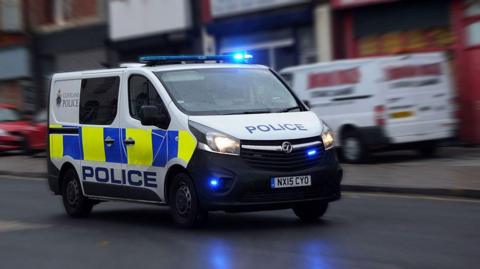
[(141, 92), (98, 100)]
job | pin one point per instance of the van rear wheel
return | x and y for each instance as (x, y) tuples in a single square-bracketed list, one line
[(184, 205), (353, 148), (310, 211), (75, 203), (427, 149)]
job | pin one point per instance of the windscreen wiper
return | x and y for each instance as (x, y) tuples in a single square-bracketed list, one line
[(250, 112), (290, 109)]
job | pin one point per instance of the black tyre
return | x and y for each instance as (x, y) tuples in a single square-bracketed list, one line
[(354, 149), (310, 211), (76, 205), (428, 149), (184, 205)]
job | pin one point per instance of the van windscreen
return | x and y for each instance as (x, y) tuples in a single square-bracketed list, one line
[(222, 91)]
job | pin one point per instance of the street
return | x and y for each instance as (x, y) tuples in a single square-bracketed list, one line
[(360, 231)]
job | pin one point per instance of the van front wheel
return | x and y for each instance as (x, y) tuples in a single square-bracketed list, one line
[(184, 205), (310, 211), (353, 148)]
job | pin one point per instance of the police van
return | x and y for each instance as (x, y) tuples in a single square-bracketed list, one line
[(196, 133), (379, 103)]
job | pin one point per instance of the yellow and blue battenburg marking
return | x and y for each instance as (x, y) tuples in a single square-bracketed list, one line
[(151, 148)]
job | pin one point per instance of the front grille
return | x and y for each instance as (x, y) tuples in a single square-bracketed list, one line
[(279, 160)]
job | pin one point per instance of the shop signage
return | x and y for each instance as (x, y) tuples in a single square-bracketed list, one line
[(405, 42), (133, 19), (221, 8), (352, 3)]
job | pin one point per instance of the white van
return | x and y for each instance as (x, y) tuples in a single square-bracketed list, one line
[(380, 103), (192, 135)]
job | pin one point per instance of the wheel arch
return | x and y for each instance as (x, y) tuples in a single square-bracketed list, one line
[(344, 129), (172, 171), (65, 167)]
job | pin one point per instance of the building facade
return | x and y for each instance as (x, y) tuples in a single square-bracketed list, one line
[(386, 27), (15, 57), (280, 33), (167, 27), (67, 35)]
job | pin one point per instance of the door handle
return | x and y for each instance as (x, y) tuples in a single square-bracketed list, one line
[(129, 141), (109, 141)]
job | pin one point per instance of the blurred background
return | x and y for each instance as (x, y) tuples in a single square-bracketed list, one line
[(430, 221), (41, 37)]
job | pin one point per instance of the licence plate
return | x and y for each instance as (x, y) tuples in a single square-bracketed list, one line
[(288, 182), (401, 114)]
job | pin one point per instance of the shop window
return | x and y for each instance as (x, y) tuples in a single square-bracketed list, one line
[(98, 100), (473, 34)]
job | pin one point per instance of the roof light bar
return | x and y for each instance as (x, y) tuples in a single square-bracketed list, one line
[(235, 58)]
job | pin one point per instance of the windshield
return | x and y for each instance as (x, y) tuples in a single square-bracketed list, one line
[(223, 91), (7, 114)]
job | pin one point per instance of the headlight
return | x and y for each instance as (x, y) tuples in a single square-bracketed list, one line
[(212, 140), (327, 137), (3, 132)]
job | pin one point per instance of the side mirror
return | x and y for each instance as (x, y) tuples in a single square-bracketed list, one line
[(307, 103), (151, 115)]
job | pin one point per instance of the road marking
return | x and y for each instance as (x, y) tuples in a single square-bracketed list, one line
[(9, 226), (410, 196)]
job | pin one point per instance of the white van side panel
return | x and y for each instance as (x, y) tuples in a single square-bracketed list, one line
[(340, 93), (64, 101)]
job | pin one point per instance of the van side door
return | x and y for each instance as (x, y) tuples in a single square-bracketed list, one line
[(145, 145), (102, 162)]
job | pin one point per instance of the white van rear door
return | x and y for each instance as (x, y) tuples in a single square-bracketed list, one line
[(417, 94)]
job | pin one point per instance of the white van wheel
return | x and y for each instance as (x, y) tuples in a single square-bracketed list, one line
[(353, 149)]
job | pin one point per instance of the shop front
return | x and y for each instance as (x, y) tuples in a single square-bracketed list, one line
[(392, 27), (278, 33)]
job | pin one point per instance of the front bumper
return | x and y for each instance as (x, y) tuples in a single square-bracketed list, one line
[(248, 188)]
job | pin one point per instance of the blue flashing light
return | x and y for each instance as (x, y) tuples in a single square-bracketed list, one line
[(214, 183), (312, 152), (240, 57)]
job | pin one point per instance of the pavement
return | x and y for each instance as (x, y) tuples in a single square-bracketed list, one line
[(455, 171), (360, 231)]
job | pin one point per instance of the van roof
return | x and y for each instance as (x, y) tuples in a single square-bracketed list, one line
[(157, 68), (359, 60), (322, 64)]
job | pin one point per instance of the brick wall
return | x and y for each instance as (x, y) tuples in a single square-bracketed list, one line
[(42, 12), (11, 93)]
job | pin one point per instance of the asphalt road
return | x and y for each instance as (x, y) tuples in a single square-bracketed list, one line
[(360, 231)]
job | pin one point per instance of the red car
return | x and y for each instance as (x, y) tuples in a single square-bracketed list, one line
[(19, 134)]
